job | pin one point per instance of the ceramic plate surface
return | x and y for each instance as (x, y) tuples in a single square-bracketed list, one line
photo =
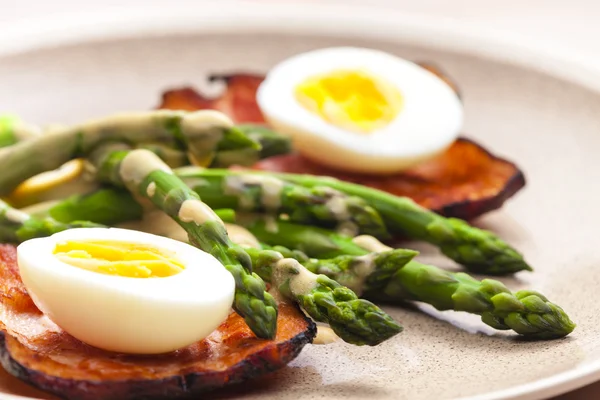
[(524, 106)]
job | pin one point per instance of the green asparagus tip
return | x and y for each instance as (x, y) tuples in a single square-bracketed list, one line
[(355, 321), (235, 138), (540, 318), (481, 251)]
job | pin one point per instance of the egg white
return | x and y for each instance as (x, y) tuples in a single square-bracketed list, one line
[(122, 314), (429, 121)]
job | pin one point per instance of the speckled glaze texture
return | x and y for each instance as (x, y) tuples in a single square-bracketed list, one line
[(551, 129)]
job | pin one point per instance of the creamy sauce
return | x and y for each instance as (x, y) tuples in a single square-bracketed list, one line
[(271, 225), (138, 164), (270, 189), (325, 335), (347, 228), (271, 192), (151, 189), (173, 157), (242, 236), (203, 130), (197, 212), (277, 296), (194, 182), (301, 280), (188, 171), (15, 215), (338, 207), (135, 127), (371, 244), (361, 268)]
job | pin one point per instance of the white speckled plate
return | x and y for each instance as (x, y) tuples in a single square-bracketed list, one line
[(525, 102)]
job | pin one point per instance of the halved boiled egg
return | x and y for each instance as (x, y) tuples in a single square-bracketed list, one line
[(126, 291), (360, 110)]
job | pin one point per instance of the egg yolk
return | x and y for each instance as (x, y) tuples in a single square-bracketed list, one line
[(119, 258), (353, 100)]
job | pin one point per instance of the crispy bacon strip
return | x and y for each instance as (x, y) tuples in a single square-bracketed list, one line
[(238, 101), (465, 182), (35, 350)]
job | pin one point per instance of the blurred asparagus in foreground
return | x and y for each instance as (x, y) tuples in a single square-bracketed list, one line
[(201, 134)]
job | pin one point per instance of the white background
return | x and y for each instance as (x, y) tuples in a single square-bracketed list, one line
[(572, 24)]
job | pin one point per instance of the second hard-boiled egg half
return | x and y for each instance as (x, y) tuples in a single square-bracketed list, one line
[(360, 110), (126, 291)]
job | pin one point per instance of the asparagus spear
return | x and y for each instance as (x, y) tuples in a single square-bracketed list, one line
[(17, 226), (311, 240), (201, 133), (354, 320), (394, 280), (305, 205), (527, 312), (271, 143), (480, 251), (107, 206), (171, 155), (367, 273), (250, 192), (146, 176)]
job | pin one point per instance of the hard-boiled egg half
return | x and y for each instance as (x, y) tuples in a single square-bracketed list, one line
[(360, 110), (126, 291)]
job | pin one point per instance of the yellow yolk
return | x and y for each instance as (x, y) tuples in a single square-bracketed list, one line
[(353, 100), (118, 258)]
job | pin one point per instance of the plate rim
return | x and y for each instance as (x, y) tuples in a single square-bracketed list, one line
[(386, 24)]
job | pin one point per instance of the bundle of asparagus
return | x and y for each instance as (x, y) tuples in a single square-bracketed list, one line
[(322, 270)]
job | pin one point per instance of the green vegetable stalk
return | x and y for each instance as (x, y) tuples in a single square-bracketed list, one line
[(259, 193), (147, 177), (200, 133), (354, 320), (526, 312)]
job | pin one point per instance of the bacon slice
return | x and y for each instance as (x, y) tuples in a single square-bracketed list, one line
[(35, 350), (238, 100), (464, 182)]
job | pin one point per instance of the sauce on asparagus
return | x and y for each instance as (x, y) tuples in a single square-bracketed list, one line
[(151, 189), (301, 280), (15, 215), (371, 244), (270, 189), (325, 335), (138, 164), (197, 212), (242, 236)]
